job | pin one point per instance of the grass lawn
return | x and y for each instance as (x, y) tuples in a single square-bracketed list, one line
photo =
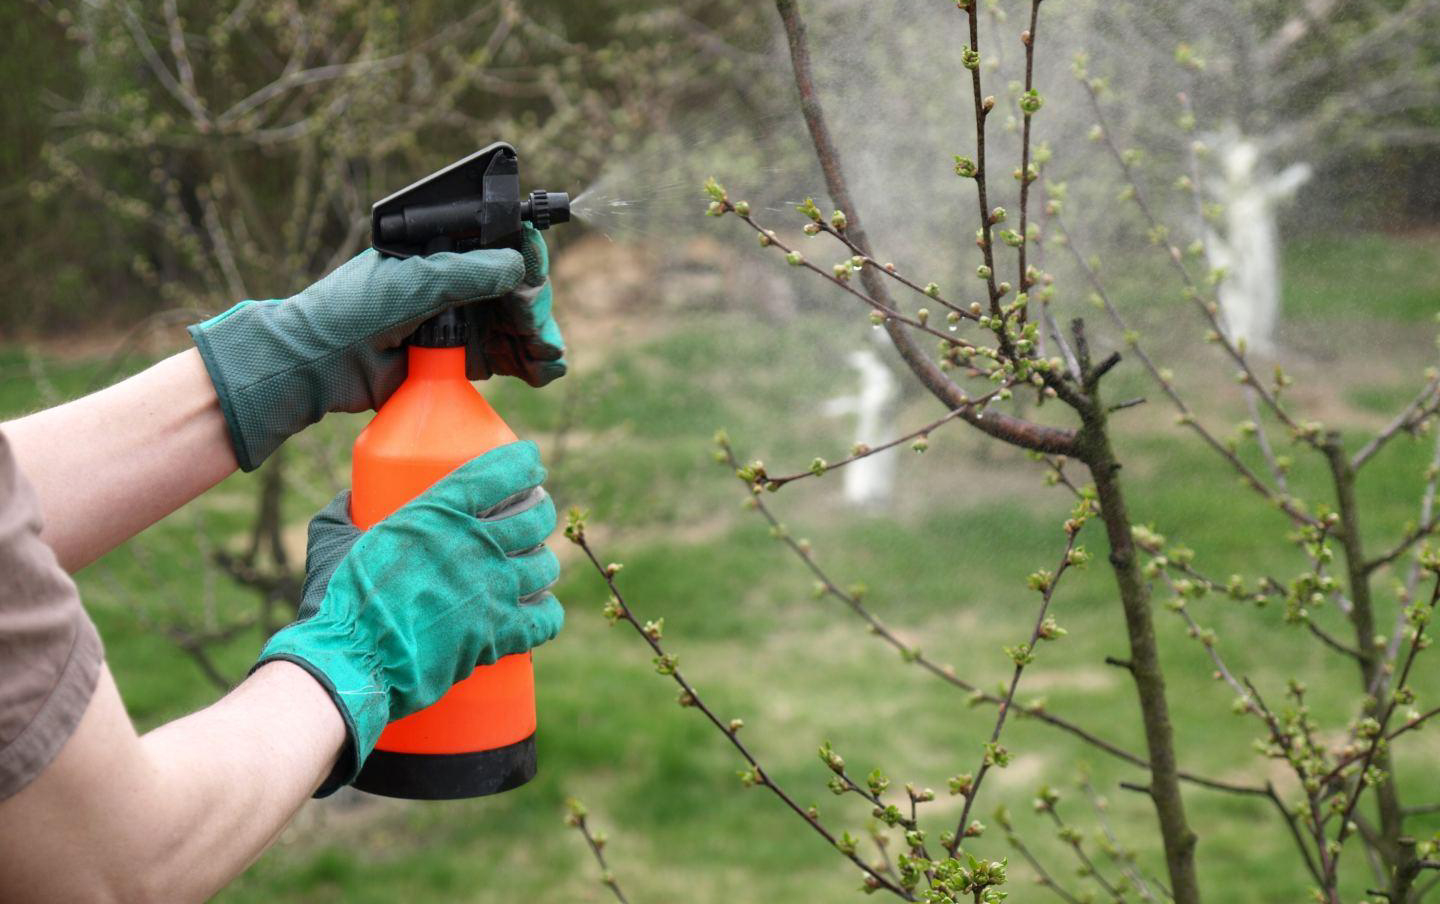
[(946, 568)]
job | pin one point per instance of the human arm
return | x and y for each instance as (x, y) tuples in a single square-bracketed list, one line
[(391, 618), (108, 465), (175, 814)]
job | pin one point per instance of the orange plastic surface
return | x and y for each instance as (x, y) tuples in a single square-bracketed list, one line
[(435, 422)]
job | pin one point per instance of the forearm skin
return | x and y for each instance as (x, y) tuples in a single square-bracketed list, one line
[(177, 814), (110, 464)]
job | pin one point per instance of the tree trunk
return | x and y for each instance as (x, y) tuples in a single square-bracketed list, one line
[(1144, 664)]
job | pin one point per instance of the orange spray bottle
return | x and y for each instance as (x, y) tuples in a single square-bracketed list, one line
[(480, 737)]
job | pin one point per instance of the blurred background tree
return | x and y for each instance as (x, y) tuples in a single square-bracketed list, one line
[(187, 154)]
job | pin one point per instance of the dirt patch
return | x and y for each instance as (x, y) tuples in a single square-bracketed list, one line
[(1071, 678), (611, 294)]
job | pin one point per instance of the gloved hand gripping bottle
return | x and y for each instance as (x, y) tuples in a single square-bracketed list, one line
[(479, 738)]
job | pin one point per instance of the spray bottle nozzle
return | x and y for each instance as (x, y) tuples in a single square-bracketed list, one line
[(545, 208), (471, 204)]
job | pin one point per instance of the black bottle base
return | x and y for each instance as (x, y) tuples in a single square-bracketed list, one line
[(448, 776)]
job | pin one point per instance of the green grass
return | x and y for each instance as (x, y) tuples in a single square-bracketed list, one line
[(1346, 277), (946, 568)]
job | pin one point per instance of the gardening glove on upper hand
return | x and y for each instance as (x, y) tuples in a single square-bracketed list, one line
[(516, 334), (279, 366), (393, 616)]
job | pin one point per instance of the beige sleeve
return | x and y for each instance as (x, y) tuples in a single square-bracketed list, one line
[(50, 653)]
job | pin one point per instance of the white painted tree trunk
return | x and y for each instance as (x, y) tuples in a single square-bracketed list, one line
[(1247, 244), (870, 482)]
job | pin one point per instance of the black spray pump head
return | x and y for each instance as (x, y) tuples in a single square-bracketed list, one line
[(471, 204)]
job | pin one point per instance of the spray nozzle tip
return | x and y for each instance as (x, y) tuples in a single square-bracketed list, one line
[(546, 208)]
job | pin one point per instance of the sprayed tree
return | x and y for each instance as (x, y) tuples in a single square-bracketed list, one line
[(978, 359)]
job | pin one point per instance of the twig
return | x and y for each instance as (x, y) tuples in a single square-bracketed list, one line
[(994, 754), (596, 841), (297, 78), (1187, 417), (1024, 280), (1043, 877), (1262, 436), (1124, 860), (1363, 780), (178, 48), (1412, 536), (1423, 809), (1412, 575), (997, 424), (188, 100), (1208, 307), (1325, 872), (1293, 823), (1072, 838), (666, 664), (1262, 440), (882, 308), (1420, 409), (889, 270), (1331, 641), (1246, 691), (1409, 726), (822, 467), (853, 600)]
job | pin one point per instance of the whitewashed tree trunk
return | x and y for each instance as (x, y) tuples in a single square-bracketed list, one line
[(1247, 244), (870, 482)]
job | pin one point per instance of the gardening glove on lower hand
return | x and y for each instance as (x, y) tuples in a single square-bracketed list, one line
[(279, 366), (516, 334), (393, 616)]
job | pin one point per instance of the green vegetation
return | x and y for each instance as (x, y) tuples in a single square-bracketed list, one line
[(739, 613), (1385, 277)]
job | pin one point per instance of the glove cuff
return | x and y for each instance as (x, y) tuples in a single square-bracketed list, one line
[(222, 390), (268, 391), (357, 693)]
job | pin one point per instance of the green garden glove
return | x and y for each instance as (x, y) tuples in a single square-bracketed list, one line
[(517, 335), (280, 366), (393, 616)]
